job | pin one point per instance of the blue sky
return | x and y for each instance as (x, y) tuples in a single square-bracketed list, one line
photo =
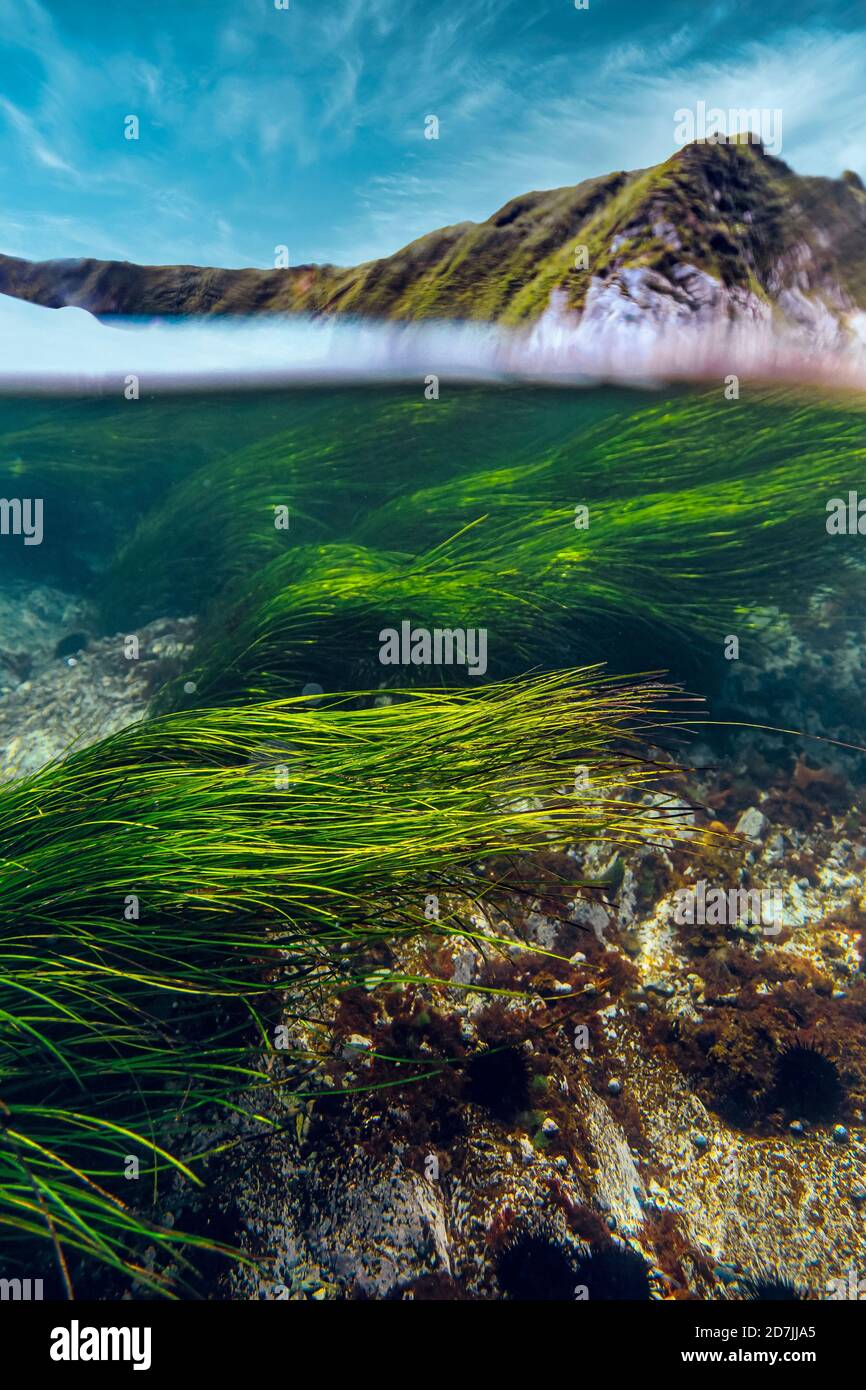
[(305, 127)]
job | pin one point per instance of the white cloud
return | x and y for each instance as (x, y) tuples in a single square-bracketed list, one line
[(306, 126), (34, 143), (816, 79)]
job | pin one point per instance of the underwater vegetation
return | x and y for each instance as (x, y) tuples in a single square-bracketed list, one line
[(317, 614), (174, 894), (698, 510), (334, 456), (96, 463), (572, 548), (668, 444), (169, 893)]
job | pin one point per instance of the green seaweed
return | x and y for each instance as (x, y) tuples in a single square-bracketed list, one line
[(680, 545), (266, 849)]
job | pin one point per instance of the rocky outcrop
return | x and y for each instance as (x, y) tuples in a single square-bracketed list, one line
[(716, 234)]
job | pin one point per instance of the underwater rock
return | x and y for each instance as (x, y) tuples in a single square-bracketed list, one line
[(373, 1228), (33, 619), (355, 1045), (70, 644), (73, 702), (752, 824)]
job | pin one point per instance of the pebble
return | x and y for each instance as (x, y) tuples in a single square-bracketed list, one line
[(614, 1086), (700, 1142), (549, 1126), (840, 1134), (753, 824)]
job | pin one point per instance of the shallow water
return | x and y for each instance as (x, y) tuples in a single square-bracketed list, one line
[(154, 507), (213, 550)]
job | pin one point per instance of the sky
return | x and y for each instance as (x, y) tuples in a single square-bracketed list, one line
[(261, 127)]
